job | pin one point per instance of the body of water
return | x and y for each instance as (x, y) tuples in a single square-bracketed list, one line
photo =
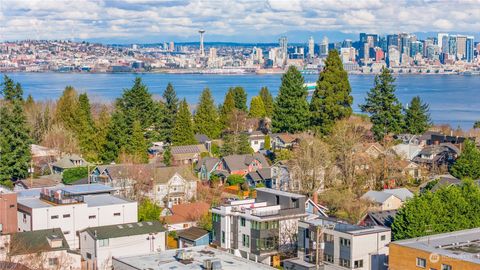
[(453, 99)]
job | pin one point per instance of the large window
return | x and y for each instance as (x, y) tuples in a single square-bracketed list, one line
[(223, 237), (215, 217), (345, 242), (242, 222), (358, 264), (328, 237), (103, 242), (446, 267), (328, 258), (245, 240), (265, 225), (344, 262), (421, 262)]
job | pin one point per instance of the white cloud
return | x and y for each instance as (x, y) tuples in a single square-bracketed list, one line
[(135, 19)]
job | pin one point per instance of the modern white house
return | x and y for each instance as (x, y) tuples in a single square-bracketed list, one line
[(340, 245), (99, 244), (259, 229), (72, 209)]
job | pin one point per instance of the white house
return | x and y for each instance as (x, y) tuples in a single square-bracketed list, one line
[(72, 209), (173, 185), (99, 244), (42, 249)]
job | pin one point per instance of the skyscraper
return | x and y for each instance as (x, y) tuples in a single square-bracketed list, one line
[(461, 47), (324, 47), (469, 49), (202, 49), (440, 37), (283, 43), (347, 43), (311, 47), (452, 47)]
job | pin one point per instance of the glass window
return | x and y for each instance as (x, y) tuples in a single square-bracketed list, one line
[(242, 222), (446, 267), (52, 261), (421, 262), (383, 237), (103, 242), (344, 262), (66, 216), (54, 217), (116, 214), (92, 217), (223, 237), (328, 258), (345, 242), (328, 237), (358, 264), (245, 240)]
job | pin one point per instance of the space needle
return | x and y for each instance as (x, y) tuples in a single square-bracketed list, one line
[(202, 49)]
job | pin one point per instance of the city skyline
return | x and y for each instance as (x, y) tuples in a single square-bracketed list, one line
[(246, 21)]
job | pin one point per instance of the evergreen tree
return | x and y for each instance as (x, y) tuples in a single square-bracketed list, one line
[(239, 97), (206, 117), (267, 101), (11, 90), (236, 144), (383, 106), (170, 111), (291, 113), (137, 145), (101, 127), (183, 128), (137, 104), (228, 108), (417, 117), (158, 130), (67, 108), (85, 129), (167, 156), (14, 135), (331, 100), (29, 102), (257, 108), (117, 138), (467, 164), (267, 145)]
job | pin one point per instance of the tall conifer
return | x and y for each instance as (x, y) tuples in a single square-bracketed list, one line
[(183, 128), (206, 117)]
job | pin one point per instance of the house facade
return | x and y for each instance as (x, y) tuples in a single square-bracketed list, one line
[(173, 185), (343, 245), (259, 229), (99, 244), (242, 164), (8, 208)]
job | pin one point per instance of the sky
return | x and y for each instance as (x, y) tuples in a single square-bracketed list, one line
[(152, 21)]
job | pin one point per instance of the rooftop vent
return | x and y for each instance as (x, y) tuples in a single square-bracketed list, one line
[(120, 226)]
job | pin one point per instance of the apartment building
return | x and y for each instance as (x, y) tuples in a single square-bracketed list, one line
[(447, 251), (72, 209), (99, 244), (342, 244), (262, 228), (8, 211)]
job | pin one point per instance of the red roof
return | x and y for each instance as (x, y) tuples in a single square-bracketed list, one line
[(187, 212)]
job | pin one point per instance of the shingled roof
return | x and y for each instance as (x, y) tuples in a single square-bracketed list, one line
[(241, 162), (192, 233), (123, 230), (37, 241)]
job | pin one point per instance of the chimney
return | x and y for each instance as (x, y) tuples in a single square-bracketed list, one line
[(315, 197)]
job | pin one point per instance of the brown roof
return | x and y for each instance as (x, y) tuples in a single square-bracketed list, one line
[(188, 149), (48, 181), (192, 233), (135, 171), (286, 137), (187, 212)]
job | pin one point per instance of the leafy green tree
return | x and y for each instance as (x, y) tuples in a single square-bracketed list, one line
[(476, 124), (291, 112), (235, 144), (206, 117), (148, 210), (137, 146), (183, 128), (383, 106), (267, 101), (101, 127), (14, 135), (467, 164), (67, 109), (332, 98), (85, 129), (451, 208), (257, 108), (235, 179), (267, 145), (417, 117), (167, 156), (239, 97), (206, 222), (171, 108), (74, 174)]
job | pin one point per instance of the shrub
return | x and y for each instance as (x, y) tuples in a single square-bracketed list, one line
[(235, 179), (74, 174)]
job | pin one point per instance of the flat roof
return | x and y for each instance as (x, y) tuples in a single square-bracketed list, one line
[(90, 200), (87, 189), (462, 245), (346, 227), (279, 192), (167, 260), (127, 229)]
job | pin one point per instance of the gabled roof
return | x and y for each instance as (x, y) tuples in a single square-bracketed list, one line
[(126, 171), (241, 162), (208, 162), (37, 241), (44, 181), (192, 233), (188, 149), (202, 138), (285, 137), (123, 230), (67, 161), (377, 196), (187, 212), (164, 174), (383, 218), (261, 174), (401, 193)]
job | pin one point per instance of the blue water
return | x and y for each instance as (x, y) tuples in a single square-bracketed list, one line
[(453, 99)]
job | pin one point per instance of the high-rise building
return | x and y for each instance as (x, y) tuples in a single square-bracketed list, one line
[(461, 47), (324, 47), (283, 43), (392, 40), (452, 46), (311, 47), (212, 53), (416, 47), (443, 43), (172, 46), (347, 43), (440, 37), (469, 49)]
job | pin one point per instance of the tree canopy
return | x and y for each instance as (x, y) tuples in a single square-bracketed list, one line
[(267, 101), (169, 113), (291, 112), (257, 108), (383, 106), (183, 127), (239, 97), (417, 117), (206, 117), (467, 164), (331, 100)]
